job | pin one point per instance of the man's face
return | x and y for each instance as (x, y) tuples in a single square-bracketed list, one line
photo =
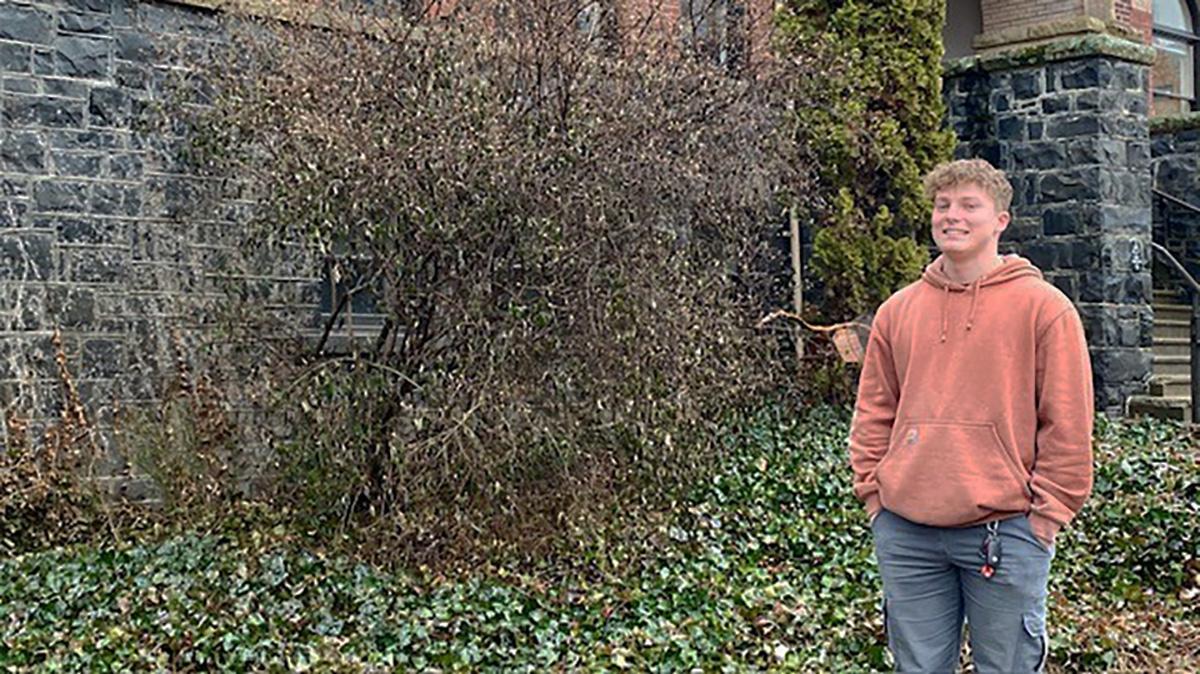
[(966, 225)]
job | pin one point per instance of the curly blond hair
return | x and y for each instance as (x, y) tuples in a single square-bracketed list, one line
[(970, 171)]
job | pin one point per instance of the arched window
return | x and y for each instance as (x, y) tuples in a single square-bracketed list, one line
[(1174, 74)]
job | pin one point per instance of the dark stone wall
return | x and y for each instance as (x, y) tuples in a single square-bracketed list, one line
[(1176, 163), (1072, 136), (102, 234)]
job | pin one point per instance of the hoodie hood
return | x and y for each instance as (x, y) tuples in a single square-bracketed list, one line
[(1013, 267)]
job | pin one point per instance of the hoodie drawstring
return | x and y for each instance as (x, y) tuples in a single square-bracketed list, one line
[(945, 309), (974, 298), (970, 315), (1011, 268)]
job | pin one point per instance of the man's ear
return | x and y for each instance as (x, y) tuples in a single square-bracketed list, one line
[(1004, 219)]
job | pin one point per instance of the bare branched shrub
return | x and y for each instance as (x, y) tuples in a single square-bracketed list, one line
[(186, 442), (47, 496), (571, 238)]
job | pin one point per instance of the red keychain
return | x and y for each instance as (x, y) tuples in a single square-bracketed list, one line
[(990, 551)]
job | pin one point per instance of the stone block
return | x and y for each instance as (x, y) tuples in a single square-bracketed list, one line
[(84, 57), (131, 201), (1187, 136), (84, 22), (64, 87), (12, 213), (135, 46), (23, 23), (1128, 126), (108, 106), (1028, 84), (43, 61), (85, 140), (165, 18), (1053, 104), (1115, 287), (132, 76), (76, 164), (1135, 104), (89, 230), (1074, 185), (1137, 154), (1096, 150), (96, 265), (1129, 76), (1022, 229), (1069, 219), (1088, 74), (1088, 101), (1176, 174), (53, 112), (21, 85), (1001, 102), (104, 6), (25, 256), (26, 358), (1011, 128), (1068, 283), (60, 196), (22, 151), (1062, 254), (71, 306), (1025, 189), (125, 166), (1119, 364), (1133, 189), (14, 186), (1100, 323), (1035, 129), (15, 58), (102, 358), (1073, 126), (1038, 156), (1162, 144), (1124, 218), (109, 198), (988, 150)]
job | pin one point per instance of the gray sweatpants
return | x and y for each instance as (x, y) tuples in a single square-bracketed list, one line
[(932, 580)]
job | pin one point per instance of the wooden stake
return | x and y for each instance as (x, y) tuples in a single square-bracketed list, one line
[(797, 281)]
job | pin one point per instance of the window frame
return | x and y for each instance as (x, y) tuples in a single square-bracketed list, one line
[(1193, 42)]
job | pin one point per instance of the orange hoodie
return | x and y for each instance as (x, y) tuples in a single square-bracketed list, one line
[(975, 403)]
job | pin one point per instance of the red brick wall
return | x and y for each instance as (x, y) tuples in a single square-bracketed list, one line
[(648, 20), (642, 18), (1005, 14), (1136, 15)]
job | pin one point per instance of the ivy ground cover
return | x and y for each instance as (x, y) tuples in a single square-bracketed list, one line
[(766, 567)]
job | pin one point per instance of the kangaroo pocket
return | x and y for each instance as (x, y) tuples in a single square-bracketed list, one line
[(950, 473)]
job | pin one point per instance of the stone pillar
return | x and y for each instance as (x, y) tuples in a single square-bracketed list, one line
[(1067, 121)]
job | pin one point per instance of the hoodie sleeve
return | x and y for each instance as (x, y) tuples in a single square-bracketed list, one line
[(1062, 470), (874, 413)]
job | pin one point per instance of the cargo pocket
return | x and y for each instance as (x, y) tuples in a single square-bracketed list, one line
[(1035, 627)]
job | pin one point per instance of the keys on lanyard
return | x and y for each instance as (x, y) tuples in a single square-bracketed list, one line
[(990, 550)]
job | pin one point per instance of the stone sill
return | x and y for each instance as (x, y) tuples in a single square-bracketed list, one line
[(1051, 30), (1057, 50), (1175, 123)]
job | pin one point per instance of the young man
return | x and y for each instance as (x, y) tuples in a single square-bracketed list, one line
[(971, 439)]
